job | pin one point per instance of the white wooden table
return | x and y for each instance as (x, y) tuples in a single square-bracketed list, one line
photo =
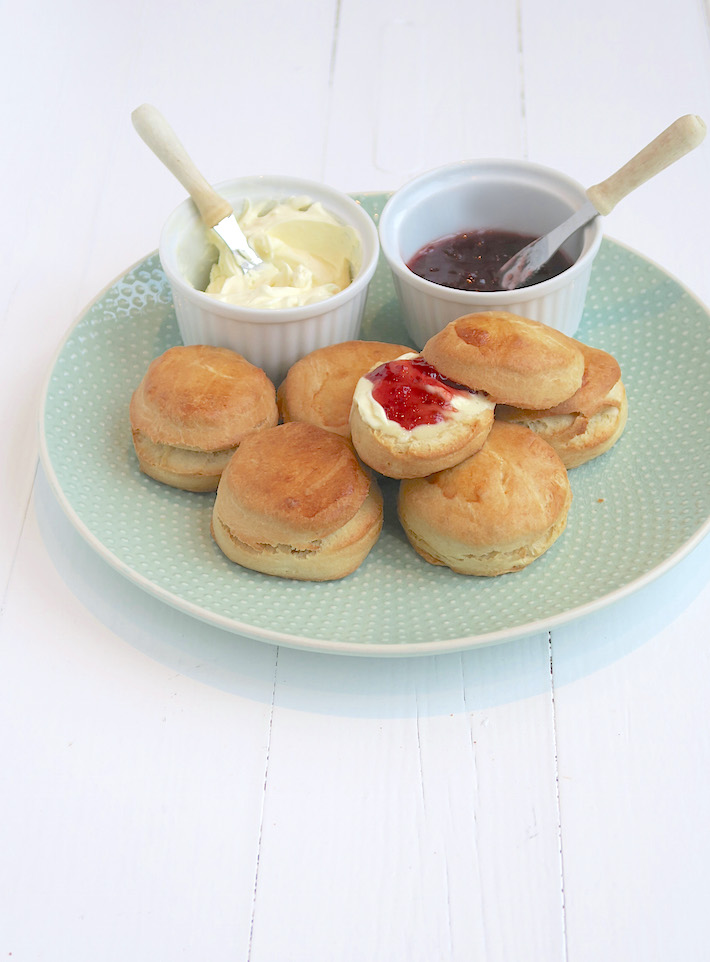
[(171, 791)]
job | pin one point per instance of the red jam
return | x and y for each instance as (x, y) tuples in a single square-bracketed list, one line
[(412, 392), (471, 261)]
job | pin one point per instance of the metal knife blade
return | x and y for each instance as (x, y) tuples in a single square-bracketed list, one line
[(520, 268), (230, 232)]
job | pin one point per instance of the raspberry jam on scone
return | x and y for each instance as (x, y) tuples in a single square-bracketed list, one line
[(412, 392)]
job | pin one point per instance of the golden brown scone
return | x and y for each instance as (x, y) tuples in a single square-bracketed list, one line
[(294, 501), (422, 423), (319, 387), (513, 359), (495, 512), (192, 409), (587, 424)]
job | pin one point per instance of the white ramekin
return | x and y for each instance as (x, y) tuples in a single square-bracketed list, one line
[(270, 339), (476, 194)]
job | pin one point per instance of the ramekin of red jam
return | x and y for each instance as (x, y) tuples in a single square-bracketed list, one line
[(430, 230)]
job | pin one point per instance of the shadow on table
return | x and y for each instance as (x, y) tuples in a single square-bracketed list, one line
[(476, 679)]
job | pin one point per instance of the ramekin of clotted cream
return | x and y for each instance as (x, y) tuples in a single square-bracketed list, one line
[(319, 255), (307, 255)]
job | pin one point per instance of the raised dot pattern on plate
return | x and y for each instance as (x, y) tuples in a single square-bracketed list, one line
[(633, 509)]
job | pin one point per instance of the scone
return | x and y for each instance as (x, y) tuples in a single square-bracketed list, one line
[(407, 421), (319, 387), (515, 360), (191, 411), (494, 513), (294, 501), (587, 424)]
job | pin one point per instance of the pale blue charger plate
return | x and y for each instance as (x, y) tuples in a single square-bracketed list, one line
[(637, 510)]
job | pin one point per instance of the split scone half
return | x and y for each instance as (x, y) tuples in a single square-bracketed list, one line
[(493, 513), (319, 387), (294, 501), (193, 407), (408, 421), (513, 359), (587, 424)]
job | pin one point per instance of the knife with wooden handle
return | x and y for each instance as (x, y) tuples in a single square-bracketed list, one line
[(674, 142)]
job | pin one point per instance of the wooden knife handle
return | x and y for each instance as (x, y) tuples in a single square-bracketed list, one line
[(677, 140), (157, 133)]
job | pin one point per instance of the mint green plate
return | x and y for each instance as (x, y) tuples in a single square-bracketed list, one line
[(636, 511)]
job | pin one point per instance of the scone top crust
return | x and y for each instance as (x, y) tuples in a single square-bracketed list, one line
[(513, 359), (291, 484), (202, 397), (319, 387), (511, 491), (601, 374)]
